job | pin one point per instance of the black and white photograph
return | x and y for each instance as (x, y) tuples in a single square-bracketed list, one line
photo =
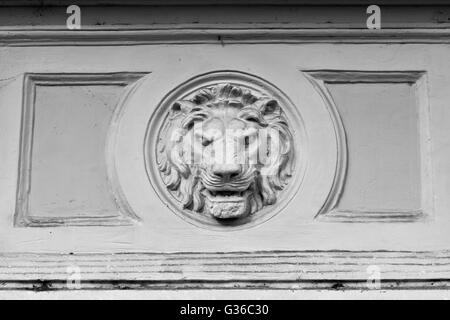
[(248, 151)]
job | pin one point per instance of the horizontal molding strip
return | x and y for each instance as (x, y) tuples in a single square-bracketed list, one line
[(386, 216), (220, 36), (264, 269), (216, 2), (364, 76)]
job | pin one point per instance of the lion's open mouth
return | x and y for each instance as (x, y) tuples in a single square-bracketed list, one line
[(225, 204), (226, 195)]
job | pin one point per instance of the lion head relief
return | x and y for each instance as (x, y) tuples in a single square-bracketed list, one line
[(226, 151)]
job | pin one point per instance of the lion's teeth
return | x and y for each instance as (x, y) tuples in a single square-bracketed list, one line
[(226, 193)]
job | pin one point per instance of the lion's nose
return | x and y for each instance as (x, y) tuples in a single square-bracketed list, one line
[(226, 171)]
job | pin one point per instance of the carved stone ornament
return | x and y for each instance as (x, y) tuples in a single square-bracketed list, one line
[(224, 151)]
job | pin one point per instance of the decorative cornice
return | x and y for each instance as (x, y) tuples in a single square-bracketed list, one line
[(214, 35), (234, 270), (218, 2)]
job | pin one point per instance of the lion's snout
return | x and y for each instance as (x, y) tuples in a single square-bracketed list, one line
[(226, 172)]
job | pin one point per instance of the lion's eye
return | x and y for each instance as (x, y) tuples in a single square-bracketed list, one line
[(252, 119), (206, 142)]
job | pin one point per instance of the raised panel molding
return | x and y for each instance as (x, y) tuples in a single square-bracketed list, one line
[(22, 217), (417, 79)]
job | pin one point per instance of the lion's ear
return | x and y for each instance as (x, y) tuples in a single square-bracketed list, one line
[(182, 106), (270, 107)]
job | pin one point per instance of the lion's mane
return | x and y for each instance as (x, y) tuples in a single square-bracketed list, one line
[(181, 178)]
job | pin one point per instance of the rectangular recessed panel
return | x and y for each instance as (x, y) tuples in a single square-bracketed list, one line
[(381, 121), (68, 171)]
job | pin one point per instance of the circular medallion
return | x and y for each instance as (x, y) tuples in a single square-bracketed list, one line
[(225, 149)]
